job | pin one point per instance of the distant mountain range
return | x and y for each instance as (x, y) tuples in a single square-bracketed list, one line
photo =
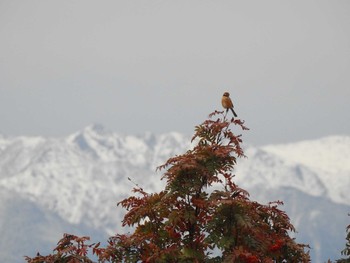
[(50, 186)]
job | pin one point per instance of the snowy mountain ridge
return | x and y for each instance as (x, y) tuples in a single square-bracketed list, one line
[(327, 157), (82, 176), (83, 169), (317, 167), (93, 160)]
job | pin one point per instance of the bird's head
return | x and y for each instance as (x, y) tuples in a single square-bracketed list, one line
[(226, 94)]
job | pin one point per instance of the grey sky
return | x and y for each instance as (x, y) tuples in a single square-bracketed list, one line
[(162, 66)]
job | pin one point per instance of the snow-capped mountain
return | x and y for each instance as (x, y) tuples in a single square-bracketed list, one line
[(49, 186)]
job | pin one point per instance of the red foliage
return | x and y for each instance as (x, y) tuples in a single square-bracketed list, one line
[(70, 249), (200, 209), (276, 246), (250, 259)]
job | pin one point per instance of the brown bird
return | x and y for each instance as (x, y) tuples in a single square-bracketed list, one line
[(227, 103)]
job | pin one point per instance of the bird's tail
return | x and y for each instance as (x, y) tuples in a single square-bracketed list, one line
[(234, 113)]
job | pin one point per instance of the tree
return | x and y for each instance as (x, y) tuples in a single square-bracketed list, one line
[(346, 250), (70, 249), (202, 215)]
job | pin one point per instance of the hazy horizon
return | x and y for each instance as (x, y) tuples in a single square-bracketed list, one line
[(162, 66)]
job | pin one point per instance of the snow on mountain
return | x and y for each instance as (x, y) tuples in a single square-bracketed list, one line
[(27, 227), (264, 168), (81, 177), (77, 181), (328, 158)]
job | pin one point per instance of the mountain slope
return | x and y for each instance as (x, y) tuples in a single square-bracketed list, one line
[(328, 157), (73, 184)]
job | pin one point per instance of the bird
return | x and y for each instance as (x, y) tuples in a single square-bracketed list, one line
[(227, 103)]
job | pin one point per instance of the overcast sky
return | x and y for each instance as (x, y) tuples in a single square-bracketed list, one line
[(160, 66)]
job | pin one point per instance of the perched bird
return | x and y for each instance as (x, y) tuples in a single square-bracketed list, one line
[(227, 103)]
